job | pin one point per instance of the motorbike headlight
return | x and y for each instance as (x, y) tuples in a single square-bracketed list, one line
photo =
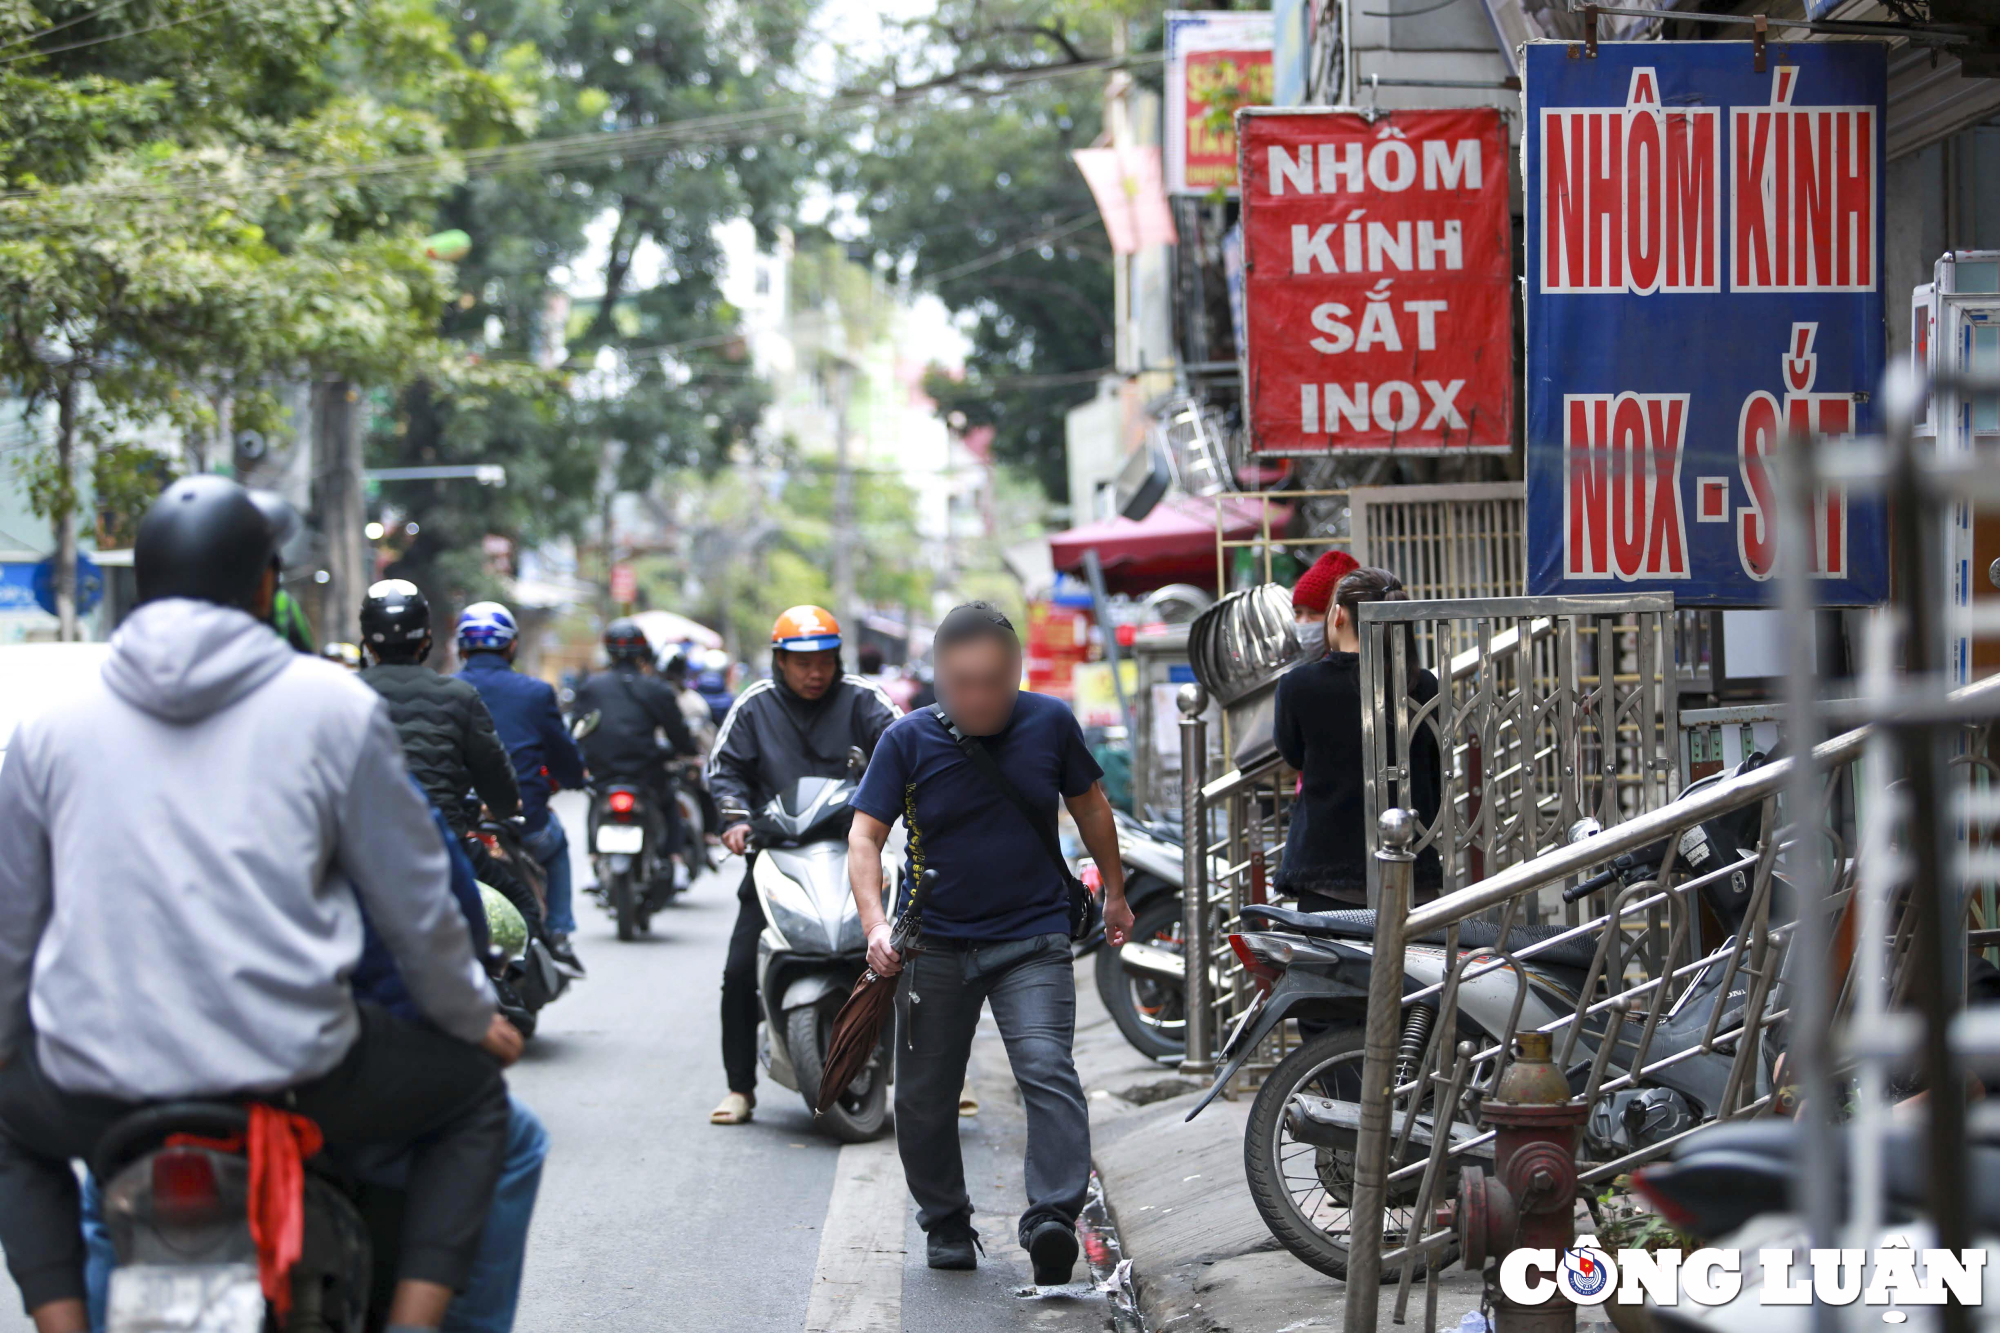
[(787, 906)]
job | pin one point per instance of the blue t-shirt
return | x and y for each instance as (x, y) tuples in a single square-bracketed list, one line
[(995, 880)]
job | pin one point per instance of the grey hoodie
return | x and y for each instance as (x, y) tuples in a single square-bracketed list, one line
[(181, 850)]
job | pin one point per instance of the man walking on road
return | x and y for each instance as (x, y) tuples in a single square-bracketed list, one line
[(996, 928)]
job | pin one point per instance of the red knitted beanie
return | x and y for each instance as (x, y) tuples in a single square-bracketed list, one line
[(1314, 590)]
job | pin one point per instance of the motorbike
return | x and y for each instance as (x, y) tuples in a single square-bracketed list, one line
[(176, 1198), (1143, 983), (635, 873), (695, 850), (529, 978), (813, 949), (1733, 1186), (1299, 1145)]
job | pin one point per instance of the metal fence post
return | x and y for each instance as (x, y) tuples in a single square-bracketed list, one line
[(1198, 1055), (1394, 860)]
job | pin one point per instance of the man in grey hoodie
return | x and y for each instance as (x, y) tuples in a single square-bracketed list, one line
[(185, 852)]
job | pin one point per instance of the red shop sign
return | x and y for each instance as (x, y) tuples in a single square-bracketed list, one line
[(1377, 281)]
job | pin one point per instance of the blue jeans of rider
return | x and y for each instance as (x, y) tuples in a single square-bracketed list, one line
[(550, 845), (485, 1306)]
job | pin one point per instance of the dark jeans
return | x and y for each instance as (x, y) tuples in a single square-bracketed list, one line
[(1032, 988), (739, 991), (399, 1084)]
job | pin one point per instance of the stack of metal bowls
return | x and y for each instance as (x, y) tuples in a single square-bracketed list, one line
[(1239, 648)]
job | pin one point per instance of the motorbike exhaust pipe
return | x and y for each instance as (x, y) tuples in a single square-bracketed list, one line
[(1153, 961)]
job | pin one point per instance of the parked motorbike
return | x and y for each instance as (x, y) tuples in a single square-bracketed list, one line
[(1143, 982), (813, 949), (1299, 1145), (177, 1211), (1733, 1186)]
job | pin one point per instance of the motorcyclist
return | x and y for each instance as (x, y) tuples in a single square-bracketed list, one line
[(448, 736), (633, 708), (800, 723), (545, 759), (287, 616), (205, 951), (701, 726)]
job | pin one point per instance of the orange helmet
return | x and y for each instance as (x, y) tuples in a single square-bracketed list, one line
[(805, 629)]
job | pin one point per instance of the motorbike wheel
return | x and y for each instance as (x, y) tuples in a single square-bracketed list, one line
[(1151, 1013), (1305, 1193), (861, 1112), (623, 907), (333, 1278)]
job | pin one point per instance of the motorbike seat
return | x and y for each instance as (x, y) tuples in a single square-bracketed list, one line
[(148, 1126), (1576, 953)]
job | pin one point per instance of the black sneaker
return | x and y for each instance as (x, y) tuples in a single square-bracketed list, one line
[(952, 1244), (1052, 1245), (559, 949)]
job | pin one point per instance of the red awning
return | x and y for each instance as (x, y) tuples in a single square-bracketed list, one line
[(1173, 544)]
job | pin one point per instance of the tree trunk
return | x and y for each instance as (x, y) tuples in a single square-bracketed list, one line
[(65, 516), (337, 506)]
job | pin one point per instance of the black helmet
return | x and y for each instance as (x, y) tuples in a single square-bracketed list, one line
[(395, 619), (283, 518), (203, 538), (624, 641), (677, 665)]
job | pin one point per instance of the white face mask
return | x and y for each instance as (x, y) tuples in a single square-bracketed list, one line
[(1311, 631)]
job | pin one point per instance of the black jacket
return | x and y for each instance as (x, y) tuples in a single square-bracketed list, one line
[(631, 706), (448, 740), (1318, 731), (772, 738)]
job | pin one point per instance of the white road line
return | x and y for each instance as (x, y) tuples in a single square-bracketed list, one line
[(858, 1283)]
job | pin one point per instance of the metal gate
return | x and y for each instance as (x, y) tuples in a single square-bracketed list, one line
[(1546, 710)]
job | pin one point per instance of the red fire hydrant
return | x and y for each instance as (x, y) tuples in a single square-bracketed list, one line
[(1530, 1199)]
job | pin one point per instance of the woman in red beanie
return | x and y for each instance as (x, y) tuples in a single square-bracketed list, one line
[(1312, 595), (1317, 726)]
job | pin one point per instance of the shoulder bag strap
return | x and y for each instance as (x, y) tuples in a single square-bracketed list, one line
[(982, 759)]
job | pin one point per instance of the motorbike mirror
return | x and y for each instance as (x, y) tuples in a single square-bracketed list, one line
[(586, 724), (856, 761), (1583, 828)]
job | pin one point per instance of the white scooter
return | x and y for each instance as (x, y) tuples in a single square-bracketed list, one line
[(813, 949)]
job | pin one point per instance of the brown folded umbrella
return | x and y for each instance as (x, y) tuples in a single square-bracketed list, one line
[(857, 1028)]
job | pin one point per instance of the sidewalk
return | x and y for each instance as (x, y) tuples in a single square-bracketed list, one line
[(1202, 1259)]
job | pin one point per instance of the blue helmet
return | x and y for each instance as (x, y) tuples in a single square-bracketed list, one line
[(486, 627)]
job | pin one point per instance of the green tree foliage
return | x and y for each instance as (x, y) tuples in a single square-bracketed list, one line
[(976, 192), (657, 374), (193, 206)]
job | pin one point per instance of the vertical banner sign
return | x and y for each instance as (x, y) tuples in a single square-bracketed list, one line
[(1217, 61), (1704, 272), (1378, 282)]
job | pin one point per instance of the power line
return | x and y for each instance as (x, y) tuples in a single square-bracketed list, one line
[(1006, 252), (572, 150), (84, 17), (116, 36)]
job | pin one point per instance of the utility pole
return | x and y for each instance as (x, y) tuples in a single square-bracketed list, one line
[(337, 500), (64, 581), (843, 508)]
